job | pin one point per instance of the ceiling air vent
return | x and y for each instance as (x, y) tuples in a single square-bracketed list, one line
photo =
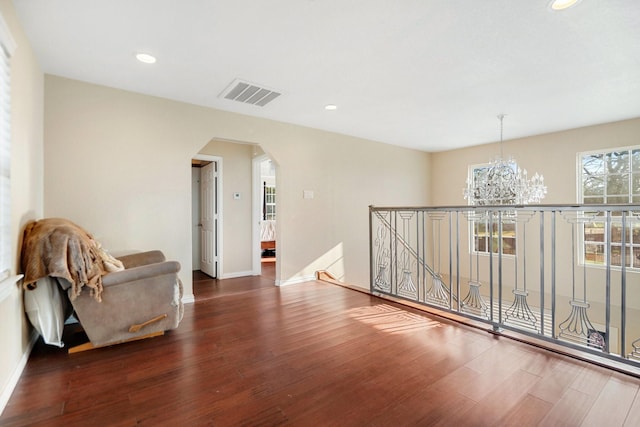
[(249, 93)]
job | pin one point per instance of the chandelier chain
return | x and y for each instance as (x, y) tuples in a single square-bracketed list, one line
[(501, 118)]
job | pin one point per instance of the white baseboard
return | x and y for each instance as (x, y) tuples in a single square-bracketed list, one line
[(15, 377), (237, 274), (295, 280), (188, 299)]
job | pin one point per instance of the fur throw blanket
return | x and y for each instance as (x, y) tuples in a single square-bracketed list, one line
[(57, 247)]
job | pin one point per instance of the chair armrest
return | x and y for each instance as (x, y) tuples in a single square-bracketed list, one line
[(141, 272), (142, 258)]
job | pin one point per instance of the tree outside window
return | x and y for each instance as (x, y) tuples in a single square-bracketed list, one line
[(482, 231), (611, 177)]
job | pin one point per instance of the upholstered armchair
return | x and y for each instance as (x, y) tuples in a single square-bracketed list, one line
[(115, 299), (143, 300)]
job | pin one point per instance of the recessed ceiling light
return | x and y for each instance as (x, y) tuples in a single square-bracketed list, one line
[(330, 107), (146, 58), (562, 4)]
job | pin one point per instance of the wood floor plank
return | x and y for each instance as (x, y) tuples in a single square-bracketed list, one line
[(542, 363), (484, 373), (633, 417), (527, 412), (38, 413), (497, 404), (250, 353), (570, 410), (556, 381), (591, 380), (422, 409), (613, 404), (376, 389)]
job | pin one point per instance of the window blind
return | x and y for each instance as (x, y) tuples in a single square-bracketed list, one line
[(7, 45)]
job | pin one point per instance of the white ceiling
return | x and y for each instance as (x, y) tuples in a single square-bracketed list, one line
[(427, 74)]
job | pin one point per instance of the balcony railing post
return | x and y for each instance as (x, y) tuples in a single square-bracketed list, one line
[(458, 260), (553, 274), (422, 281), (542, 324), (371, 261), (490, 236), (450, 263), (394, 253), (607, 307), (500, 265), (623, 289)]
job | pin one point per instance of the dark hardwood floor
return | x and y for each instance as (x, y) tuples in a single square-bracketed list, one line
[(251, 354)]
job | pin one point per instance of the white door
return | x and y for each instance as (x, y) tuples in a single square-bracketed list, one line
[(208, 218)]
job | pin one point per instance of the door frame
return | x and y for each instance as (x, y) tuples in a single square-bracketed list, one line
[(218, 202), (257, 213)]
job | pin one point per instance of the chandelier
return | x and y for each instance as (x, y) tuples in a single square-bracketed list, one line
[(503, 183)]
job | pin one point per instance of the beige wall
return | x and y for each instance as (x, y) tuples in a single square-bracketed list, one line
[(119, 164), (26, 187), (553, 155)]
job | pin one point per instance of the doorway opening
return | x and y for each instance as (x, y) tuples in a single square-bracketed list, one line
[(206, 172), (265, 215)]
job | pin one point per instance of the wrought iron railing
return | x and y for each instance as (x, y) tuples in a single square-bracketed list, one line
[(569, 275)]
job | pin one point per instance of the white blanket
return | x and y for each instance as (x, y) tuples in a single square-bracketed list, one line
[(47, 309), (267, 230)]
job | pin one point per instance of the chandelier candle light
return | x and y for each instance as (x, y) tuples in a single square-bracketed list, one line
[(504, 183)]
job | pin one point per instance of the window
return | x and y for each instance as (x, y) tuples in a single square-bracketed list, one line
[(482, 231), (269, 206), (610, 177), (7, 45), (268, 178)]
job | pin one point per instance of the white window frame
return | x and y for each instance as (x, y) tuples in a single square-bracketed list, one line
[(632, 247), (269, 195), (472, 223)]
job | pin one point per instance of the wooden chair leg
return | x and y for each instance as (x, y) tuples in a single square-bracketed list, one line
[(88, 346)]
